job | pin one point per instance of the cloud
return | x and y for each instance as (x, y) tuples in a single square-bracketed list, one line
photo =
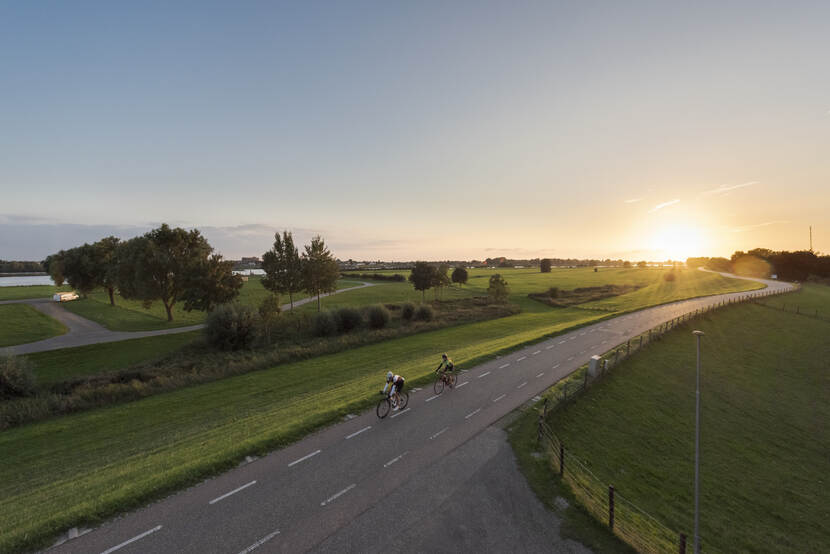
[(724, 189), (664, 205), (632, 200), (756, 225)]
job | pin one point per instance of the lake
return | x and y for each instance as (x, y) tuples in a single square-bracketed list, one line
[(11, 281)]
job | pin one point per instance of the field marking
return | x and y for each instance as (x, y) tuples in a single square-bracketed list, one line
[(485, 374), (395, 459), (438, 433), (549, 347), (431, 398), (496, 399), (260, 542), (462, 384), (523, 384), (234, 491), (571, 358), (399, 413), (554, 367), (540, 374), (504, 366), (356, 433), (335, 496), (522, 358), (304, 458), (132, 540), (537, 352), (471, 414)]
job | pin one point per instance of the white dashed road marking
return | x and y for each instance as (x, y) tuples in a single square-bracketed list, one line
[(554, 367), (549, 347), (335, 496), (132, 540), (522, 358), (503, 366), (523, 384), (485, 374), (471, 414), (395, 459), (304, 458), (356, 433), (496, 399), (234, 491), (561, 342), (571, 358), (537, 352), (431, 398), (400, 413), (540, 374), (462, 384), (438, 433), (260, 542)]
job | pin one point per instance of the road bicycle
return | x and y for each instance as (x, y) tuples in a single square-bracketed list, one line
[(444, 379), (386, 404)]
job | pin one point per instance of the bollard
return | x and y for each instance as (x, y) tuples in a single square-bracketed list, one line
[(611, 507), (561, 460)]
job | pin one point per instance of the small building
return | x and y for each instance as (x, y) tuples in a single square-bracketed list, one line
[(64, 296)]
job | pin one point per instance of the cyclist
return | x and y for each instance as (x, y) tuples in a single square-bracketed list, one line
[(446, 366), (396, 382)]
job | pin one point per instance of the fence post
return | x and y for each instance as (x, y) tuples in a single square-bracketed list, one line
[(539, 431), (611, 507), (641, 342), (545, 410), (561, 459), (682, 548), (628, 344)]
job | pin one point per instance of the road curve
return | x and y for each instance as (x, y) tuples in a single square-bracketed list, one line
[(314, 495), (83, 331)]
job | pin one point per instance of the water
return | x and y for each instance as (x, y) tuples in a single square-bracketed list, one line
[(25, 281), (250, 272)]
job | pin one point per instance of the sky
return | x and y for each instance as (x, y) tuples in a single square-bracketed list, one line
[(418, 130)]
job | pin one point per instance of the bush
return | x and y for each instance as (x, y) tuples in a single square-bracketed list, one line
[(669, 276), (325, 324), (378, 316), (424, 313), (16, 378), (231, 327), (553, 292), (407, 310), (348, 319)]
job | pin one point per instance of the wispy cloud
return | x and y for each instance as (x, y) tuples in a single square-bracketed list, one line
[(632, 200), (723, 189), (756, 225), (664, 205)]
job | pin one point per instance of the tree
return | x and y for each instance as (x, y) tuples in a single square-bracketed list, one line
[(626, 264), (173, 264), (269, 310), (642, 264), (320, 270), (719, 264), (440, 279), (422, 277), (106, 273), (544, 267), (498, 289), (79, 268), (283, 267), (459, 275)]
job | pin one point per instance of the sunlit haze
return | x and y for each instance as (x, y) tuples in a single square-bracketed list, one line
[(438, 130)]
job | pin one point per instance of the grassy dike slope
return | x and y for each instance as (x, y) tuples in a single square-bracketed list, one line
[(20, 324), (765, 439)]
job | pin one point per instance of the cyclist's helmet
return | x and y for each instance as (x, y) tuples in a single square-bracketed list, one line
[(444, 356), (389, 375)]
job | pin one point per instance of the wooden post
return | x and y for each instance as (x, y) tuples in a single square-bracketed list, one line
[(682, 548), (545, 410), (628, 344), (561, 459), (611, 507)]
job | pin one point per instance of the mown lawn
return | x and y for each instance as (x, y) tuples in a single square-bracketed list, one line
[(81, 468), (20, 324), (813, 299), (765, 438), (30, 291)]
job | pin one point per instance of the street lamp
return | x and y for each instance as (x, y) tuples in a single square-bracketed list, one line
[(697, 334)]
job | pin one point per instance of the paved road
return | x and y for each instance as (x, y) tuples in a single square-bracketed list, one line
[(372, 485), (82, 331)]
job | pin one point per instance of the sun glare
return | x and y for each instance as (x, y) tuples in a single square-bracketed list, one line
[(679, 241)]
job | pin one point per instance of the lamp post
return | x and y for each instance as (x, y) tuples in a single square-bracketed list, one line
[(697, 334)]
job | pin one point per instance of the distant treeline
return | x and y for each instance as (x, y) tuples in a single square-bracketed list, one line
[(762, 262), (379, 277), (555, 262), (7, 266)]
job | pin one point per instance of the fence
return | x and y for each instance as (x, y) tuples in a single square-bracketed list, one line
[(625, 519)]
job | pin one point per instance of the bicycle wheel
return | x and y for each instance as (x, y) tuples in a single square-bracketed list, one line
[(438, 387), (404, 400), (453, 380), (384, 406)]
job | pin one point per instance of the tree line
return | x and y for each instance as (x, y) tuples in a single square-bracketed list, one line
[(800, 265), (425, 276), (11, 266)]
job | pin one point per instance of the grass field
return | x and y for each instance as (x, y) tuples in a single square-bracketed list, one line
[(83, 467), (812, 299), (20, 324), (130, 315), (765, 437), (30, 291)]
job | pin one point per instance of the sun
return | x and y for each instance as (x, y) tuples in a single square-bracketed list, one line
[(678, 241)]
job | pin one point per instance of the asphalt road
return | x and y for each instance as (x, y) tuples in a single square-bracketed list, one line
[(374, 485), (83, 331)]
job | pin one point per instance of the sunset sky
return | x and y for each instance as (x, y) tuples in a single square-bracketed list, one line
[(428, 130)]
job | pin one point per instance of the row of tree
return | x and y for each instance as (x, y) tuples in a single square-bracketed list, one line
[(762, 262), (426, 276), (10, 266), (287, 272)]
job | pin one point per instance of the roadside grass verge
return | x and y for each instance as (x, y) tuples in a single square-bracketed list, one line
[(30, 291), (813, 299), (20, 324), (764, 439)]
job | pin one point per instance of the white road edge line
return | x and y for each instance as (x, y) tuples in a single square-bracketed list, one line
[(356, 433), (496, 399), (304, 458), (540, 374), (438, 433), (395, 459), (401, 412), (462, 384), (132, 540), (485, 374), (431, 398), (335, 496), (522, 358), (523, 384), (260, 542), (503, 366), (234, 491), (471, 414)]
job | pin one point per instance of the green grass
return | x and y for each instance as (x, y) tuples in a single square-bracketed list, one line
[(30, 291), (130, 315), (811, 299), (20, 324), (61, 365), (764, 439), (83, 467)]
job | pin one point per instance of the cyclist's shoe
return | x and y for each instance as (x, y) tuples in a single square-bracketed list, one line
[(395, 409)]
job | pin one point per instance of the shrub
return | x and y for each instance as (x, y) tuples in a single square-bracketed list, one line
[(348, 319), (553, 292), (669, 276), (424, 313), (231, 327), (16, 378), (498, 289), (407, 310), (378, 316), (325, 324)]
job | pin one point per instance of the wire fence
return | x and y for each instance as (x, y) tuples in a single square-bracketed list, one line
[(641, 530)]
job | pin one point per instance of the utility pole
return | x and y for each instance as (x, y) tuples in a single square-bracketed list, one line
[(811, 238), (698, 334)]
